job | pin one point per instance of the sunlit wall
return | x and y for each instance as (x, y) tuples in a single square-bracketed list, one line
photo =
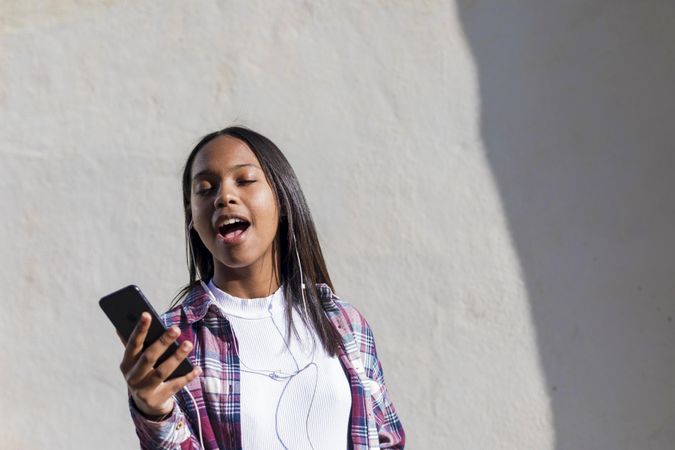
[(490, 181)]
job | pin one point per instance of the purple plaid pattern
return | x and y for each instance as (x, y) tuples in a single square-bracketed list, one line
[(373, 422)]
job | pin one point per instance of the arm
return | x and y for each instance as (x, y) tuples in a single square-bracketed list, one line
[(173, 432), (389, 429), (151, 394)]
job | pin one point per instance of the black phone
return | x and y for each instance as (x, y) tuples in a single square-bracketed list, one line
[(124, 309)]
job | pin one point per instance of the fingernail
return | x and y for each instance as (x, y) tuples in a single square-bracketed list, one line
[(173, 331), (186, 345)]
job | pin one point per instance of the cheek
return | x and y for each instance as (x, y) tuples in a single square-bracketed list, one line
[(196, 213), (201, 219), (265, 209)]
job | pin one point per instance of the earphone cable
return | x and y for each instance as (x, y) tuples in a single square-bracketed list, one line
[(278, 374)]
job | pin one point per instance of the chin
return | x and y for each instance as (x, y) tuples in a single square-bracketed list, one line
[(231, 261)]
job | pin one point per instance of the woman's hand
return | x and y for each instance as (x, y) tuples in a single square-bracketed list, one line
[(147, 385)]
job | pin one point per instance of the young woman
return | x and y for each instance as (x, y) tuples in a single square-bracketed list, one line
[(280, 361)]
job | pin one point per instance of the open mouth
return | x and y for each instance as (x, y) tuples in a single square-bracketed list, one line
[(232, 229)]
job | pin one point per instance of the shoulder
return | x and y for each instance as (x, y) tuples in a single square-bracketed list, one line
[(341, 310), (190, 309), (353, 327), (174, 316)]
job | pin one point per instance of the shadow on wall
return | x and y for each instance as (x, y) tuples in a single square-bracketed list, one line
[(577, 119)]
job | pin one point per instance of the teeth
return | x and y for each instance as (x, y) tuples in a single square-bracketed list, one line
[(231, 221)]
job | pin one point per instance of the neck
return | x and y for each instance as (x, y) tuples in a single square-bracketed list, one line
[(255, 281)]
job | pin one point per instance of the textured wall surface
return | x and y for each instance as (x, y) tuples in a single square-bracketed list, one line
[(491, 182)]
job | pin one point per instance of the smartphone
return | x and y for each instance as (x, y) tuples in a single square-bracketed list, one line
[(124, 309)]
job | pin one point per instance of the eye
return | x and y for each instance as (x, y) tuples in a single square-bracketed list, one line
[(246, 181), (203, 188)]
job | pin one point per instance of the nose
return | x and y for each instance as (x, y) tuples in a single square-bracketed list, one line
[(226, 196)]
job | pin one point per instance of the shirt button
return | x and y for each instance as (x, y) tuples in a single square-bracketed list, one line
[(180, 425)]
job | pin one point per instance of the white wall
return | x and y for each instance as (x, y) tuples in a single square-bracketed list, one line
[(491, 183)]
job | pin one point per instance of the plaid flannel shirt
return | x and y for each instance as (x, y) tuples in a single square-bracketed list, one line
[(373, 419)]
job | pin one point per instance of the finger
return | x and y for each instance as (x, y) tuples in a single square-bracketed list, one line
[(169, 388), (165, 369), (135, 345), (146, 361)]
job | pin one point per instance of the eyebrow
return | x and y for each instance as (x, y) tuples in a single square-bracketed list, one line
[(205, 172)]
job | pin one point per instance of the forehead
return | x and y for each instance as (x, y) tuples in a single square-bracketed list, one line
[(223, 153)]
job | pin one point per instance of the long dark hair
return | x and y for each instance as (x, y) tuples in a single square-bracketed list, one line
[(296, 237)]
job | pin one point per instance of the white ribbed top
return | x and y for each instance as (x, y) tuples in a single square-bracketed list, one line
[(280, 413)]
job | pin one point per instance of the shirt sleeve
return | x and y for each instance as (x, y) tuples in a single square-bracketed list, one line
[(389, 429), (174, 432)]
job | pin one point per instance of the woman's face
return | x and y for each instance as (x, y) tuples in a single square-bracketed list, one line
[(234, 209)]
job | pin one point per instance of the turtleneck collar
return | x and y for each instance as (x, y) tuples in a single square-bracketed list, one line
[(248, 308)]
